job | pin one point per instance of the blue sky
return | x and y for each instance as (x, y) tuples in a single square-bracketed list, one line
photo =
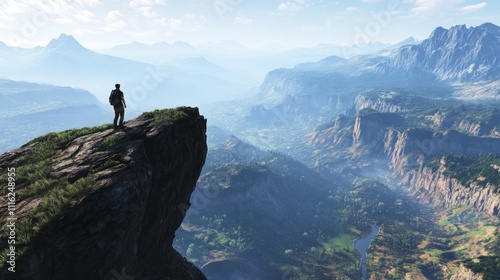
[(294, 23)]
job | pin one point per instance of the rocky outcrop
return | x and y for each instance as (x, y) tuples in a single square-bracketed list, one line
[(437, 189), (122, 226), (370, 130), (385, 103), (409, 148), (478, 122), (337, 134)]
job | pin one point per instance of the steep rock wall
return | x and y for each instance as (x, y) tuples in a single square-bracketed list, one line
[(437, 189), (407, 149), (125, 226)]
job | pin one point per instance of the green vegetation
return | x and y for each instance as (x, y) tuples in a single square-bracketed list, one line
[(228, 230), (106, 165), (481, 170), (488, 266), (50, 195), (167, 115), (112, 140), (64, 137)]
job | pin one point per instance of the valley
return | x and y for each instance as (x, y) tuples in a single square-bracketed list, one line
[(408, 153)]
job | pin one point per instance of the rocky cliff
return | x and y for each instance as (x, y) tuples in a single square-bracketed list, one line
[(407, 150), (370, 130), (437, 189), (105, 204)]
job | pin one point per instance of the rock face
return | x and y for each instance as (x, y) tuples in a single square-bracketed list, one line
[(370, 130), (407, 149), (125, 226), (457, 54), (442, 191)]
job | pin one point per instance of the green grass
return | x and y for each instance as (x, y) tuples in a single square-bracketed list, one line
[(69, 135), (106, 165), (111, 141), (35, 183), (167, 115)]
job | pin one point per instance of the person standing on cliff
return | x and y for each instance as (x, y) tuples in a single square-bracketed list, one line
[(119, 105)]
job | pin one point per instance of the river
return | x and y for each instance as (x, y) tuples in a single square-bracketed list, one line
[(362, 244)]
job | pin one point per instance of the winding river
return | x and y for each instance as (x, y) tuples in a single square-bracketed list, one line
[(362, 244)]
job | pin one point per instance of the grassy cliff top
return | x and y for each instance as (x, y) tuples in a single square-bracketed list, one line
[(42, 194)]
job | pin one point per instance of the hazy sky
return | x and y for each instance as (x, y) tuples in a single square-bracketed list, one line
[(293, 23)]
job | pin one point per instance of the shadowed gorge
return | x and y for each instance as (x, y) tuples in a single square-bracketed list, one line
[(95, 203)]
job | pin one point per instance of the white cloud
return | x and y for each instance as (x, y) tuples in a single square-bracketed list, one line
[(61, 12), (142, 3), (191, 17), (243, 20), (148, 12), (433, 6), (90, 3), (473, 8), (292, 6), (146, 7), (87, 16), (351, 10), (114, 15), (13, 7), (114, 21)]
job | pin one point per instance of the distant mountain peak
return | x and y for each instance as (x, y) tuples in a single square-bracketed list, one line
[(437, 32), (410, 39), (489, 25), (181, 43), (64, 42)]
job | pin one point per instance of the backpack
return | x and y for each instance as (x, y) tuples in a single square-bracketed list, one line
[(114, 98)]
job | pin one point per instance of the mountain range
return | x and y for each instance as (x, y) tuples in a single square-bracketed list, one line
[(460, 54), (420, 121), (64, 61), (29, 110), (159, 73), (440, 64)]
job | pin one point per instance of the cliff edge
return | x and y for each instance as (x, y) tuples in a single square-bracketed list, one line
[(99, 203)]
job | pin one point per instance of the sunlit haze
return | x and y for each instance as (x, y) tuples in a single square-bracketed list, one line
[(278, 24)]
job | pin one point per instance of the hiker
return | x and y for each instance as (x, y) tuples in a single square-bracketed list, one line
[(118, 101)]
